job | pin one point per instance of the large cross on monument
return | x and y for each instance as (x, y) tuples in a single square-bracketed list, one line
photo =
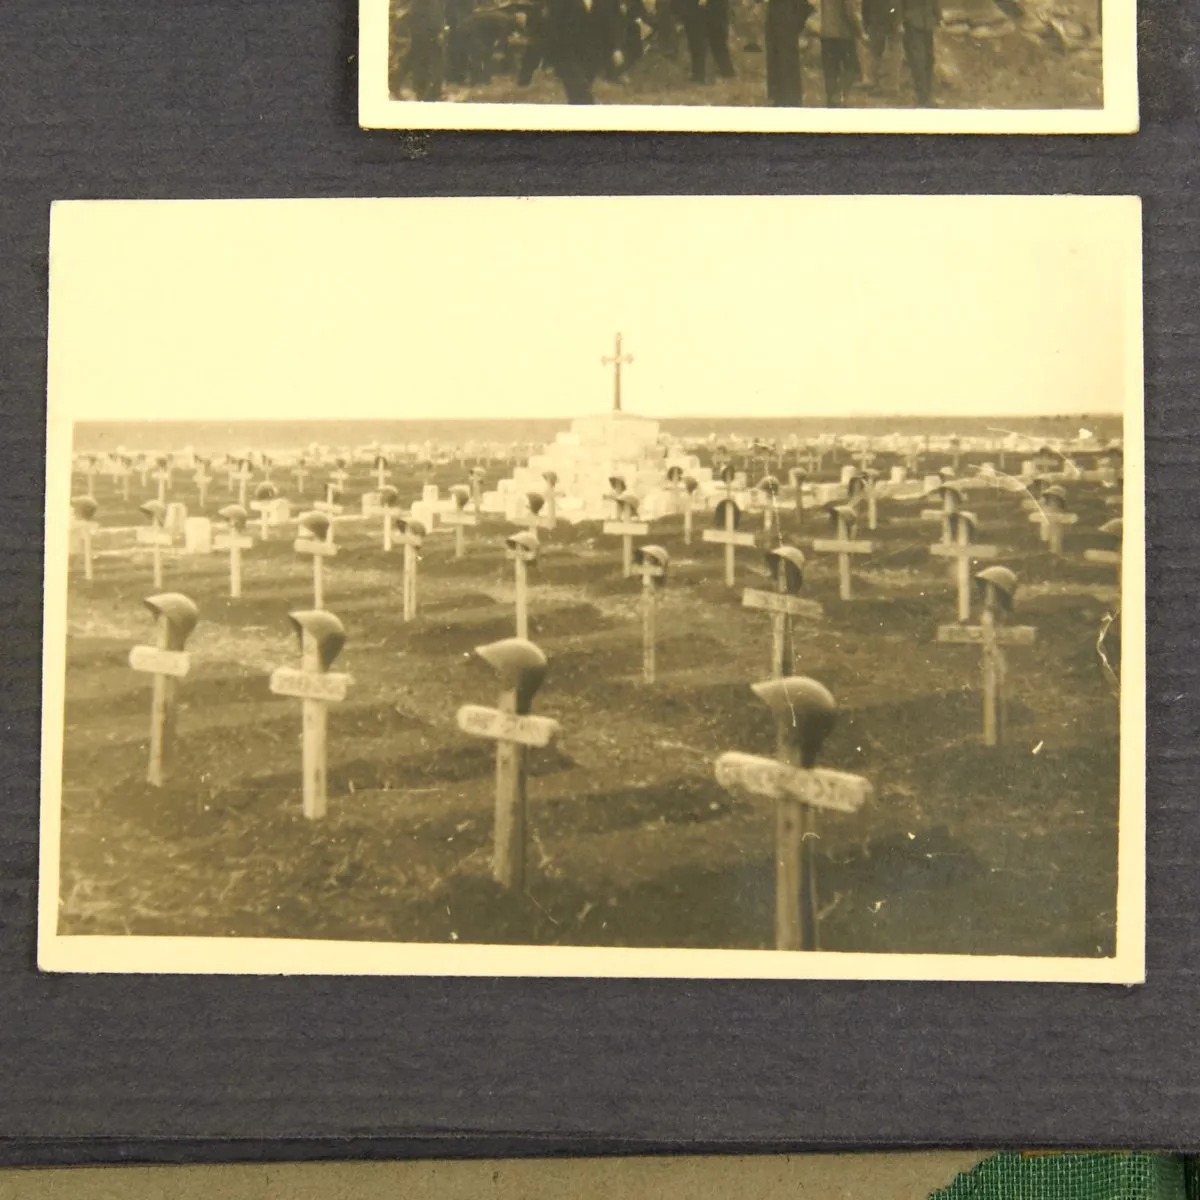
[(615, 360)]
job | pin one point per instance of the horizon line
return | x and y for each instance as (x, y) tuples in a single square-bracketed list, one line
[(168, 420)]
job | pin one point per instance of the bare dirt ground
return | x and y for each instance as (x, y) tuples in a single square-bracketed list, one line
[(965, 849)]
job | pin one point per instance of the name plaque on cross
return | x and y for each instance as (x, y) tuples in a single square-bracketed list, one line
[(978, 635), (722, 537), (836, 546), (781, 603), (151, 659), (626, 528), (321, 549), (494, 723), (307, 685), (818, 787), (153, 537)]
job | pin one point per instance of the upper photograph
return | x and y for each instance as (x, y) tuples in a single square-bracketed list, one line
[(835, 66)]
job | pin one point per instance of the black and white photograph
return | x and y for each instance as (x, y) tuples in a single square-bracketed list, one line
[(582, 608), (958, 66)]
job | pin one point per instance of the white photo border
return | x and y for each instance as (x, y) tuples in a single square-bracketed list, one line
[(271, 956)]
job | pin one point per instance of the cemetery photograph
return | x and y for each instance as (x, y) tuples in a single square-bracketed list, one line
[(594, 606)]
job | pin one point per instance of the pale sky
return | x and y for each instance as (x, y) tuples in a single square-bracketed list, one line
[(469, 307)]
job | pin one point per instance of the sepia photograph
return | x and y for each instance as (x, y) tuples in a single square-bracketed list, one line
[(879, 66), (583, 608)]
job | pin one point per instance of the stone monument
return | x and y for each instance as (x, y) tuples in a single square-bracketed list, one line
[(597, 448)]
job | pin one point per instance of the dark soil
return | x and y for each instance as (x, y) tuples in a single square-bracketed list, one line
[(964, 849)]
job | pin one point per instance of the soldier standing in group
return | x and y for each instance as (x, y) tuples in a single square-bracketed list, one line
[(785, 23), (920, 19), (880, 22), (532, 23), (841, 27), (581, 40), (666, 32), (706, 26), (462, 56), (426, 55), (634, 17)]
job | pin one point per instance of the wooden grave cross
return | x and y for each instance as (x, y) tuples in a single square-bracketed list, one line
[(551, 495), (123, 470), (674, 482), (727, 516), (1054, 518), (389, 504), (785, 566), (316, 539), (865, 486), (804, 714), (683, 488), (997, 586), (617, 489), (769, 487), (532, 517), (843, 545), (952, 501), (175, 617), (521, 549), (89, 471), (300, 474), (797, 477), (163, 478), (340, 476), (329, 506), (241, 478), (1033, 501), (513, 727), (460, 519), (264, 497), (83, 509), (650, 562), (690, 487), (1112, 558), (626, 527), (410, 534), (962, 550), (201, 478), (322, 637), (156, 536), (477, 476), (235, 540)]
